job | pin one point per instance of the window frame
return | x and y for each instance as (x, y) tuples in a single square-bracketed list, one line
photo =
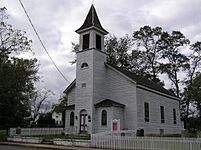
[(174, 116), (146, 112), (98, 42), (72, 120), (85, 41), (104, 117), (162, 112)]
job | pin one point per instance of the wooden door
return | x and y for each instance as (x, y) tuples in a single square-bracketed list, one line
[(83, 125)]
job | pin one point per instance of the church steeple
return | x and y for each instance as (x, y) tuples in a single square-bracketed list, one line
[(91, 22), (91, 32)]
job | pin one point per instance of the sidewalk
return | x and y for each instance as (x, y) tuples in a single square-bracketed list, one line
[(47, 146)]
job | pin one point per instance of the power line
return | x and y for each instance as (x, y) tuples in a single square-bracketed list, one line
[(42, 42)]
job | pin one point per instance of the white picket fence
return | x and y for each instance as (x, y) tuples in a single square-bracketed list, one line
[(144, 143), (36, 131)]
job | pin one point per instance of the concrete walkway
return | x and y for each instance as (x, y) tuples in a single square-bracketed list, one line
[(47, 146)]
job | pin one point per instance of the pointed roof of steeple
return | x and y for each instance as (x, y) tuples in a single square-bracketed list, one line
[(91, 21)]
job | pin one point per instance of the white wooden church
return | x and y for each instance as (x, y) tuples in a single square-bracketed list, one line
[(106, 98)]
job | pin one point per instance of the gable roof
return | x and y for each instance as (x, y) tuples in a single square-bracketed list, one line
[(91, 21), (70, 87), (141, 80), (109, 103)]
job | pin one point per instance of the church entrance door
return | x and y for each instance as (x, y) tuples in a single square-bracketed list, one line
[(83, 121)]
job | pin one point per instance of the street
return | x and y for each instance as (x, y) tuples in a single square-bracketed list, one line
[(8, 147), (21, 146)]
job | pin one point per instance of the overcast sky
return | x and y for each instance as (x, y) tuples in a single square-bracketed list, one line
[(56, 21)]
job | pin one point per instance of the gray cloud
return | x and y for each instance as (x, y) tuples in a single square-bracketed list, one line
[(56, 21)]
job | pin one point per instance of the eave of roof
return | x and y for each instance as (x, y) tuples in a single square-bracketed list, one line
[(70, 107), (109, 103), (70, 87)]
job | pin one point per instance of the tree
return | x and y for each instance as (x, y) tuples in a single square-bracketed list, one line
[(16, 81), (120, 52), (193, 91), (174, 60), (196, 92), (75, 48), (147, 41), (117, 51), (45, 120), (37, 101), (63, 103), (194, 124), (12, 40), (17, 75), (194, 65), (61, 107)]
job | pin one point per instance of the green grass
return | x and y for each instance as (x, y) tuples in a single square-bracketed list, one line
[(66, 137), (3, 135), (172, 135), (166, 135)]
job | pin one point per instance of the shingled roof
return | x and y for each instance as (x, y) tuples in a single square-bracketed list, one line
[(141, 80), (91, 21)]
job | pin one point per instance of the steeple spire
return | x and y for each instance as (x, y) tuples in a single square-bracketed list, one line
[(91, 21)]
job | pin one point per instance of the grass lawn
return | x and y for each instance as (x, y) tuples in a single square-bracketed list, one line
[(49, 137), (3, 135)]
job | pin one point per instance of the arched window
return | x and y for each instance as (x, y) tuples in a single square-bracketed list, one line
[(84, 65), (104, 118), (72, 119)]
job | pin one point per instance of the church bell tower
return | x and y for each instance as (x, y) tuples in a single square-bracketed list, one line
[(91, 32), (89, 71)]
